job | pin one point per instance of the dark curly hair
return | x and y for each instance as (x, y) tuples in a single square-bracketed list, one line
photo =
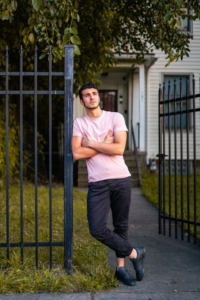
[(88, 85)]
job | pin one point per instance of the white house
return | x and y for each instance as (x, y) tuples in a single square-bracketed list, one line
[(133, 91)]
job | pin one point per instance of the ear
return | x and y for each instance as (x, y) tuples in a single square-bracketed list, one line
[(82, 103)]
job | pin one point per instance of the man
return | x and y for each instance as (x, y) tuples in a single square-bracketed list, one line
[(100, 138)]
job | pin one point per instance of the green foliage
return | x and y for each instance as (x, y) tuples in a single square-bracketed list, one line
[(13, 145), (150, 191), (96, 28), (91, 272), (43, 21)]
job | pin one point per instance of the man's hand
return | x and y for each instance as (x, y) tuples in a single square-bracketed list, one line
[(108, 138), (80, 152), (108, 147), (87, 142)]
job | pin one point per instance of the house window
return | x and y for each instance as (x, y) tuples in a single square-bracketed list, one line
[(186, 24), (170, 79)]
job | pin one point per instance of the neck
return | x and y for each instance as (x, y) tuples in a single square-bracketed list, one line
[(94, 113)]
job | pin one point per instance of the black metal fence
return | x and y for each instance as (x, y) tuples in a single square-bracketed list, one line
[(178, 173), (67, 77)]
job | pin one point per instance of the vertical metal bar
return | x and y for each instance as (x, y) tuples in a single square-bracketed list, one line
[(175, 160), (21, 151), (194, 164), (68, 159), (36, 157), (160, 160), (181, 149), (164, 161), (50, 156), (7, 154), (169, 149), (188, 161)]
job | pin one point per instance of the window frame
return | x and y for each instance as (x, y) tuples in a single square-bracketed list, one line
[(190, 23), (180, 74)]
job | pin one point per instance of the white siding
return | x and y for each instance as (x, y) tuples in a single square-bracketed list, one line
[(78, 109), (188, 66)]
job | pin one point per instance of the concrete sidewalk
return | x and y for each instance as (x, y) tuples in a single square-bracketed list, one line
[(172, 266)]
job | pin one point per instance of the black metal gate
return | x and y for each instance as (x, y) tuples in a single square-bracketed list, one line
[(179, 157), (67, 77)]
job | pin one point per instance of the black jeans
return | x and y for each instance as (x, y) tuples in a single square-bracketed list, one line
[(103, 195)]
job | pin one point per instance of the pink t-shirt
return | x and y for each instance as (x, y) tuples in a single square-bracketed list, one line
[(102, 166)]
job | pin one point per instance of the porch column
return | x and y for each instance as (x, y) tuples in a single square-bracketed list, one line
[(130, 109), (142, 106)]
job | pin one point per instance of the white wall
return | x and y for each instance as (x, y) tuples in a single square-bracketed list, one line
[(78, 109), (189, 65)]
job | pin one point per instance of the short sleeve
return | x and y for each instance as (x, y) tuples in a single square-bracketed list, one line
[(76, 129), (119, 123)]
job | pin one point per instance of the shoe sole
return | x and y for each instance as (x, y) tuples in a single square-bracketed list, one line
[(134, 283), (143, 256)]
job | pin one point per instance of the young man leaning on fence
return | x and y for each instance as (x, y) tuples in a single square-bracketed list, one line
[(100, 138)]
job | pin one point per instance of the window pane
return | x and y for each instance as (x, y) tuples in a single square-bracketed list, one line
[(184, 24), (170, 80)]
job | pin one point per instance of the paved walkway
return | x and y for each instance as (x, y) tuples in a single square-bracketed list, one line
[(172, 266)]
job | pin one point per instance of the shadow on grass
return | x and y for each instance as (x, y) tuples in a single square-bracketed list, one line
[(91, 272)]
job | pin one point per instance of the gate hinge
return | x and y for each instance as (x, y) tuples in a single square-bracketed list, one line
[(161, 156)]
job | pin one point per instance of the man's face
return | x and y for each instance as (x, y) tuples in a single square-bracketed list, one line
[(90, 98)]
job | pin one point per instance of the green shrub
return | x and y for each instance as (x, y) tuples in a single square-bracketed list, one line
[(150, 184)]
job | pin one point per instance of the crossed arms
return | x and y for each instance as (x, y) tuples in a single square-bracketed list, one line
[(85, 148)]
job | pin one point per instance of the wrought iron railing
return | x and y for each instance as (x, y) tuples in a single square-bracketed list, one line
[(178, 144), (67, 76)]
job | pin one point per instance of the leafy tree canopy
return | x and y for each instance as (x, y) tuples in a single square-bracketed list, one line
[(97, 29)]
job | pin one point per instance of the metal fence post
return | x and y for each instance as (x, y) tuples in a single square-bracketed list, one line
[(7, 158), (68, 160)]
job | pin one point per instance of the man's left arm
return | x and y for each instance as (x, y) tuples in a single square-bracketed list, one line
[(116, 148)]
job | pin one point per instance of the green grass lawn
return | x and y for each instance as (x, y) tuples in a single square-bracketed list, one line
[(90, 268), (150, 191)]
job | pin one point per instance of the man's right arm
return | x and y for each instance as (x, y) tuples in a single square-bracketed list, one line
[(80, 152)]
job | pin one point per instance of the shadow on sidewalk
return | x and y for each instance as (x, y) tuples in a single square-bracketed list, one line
[(170, 264)]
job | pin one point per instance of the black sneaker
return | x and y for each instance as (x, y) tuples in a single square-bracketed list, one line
[(138, 262), (123, 275)]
